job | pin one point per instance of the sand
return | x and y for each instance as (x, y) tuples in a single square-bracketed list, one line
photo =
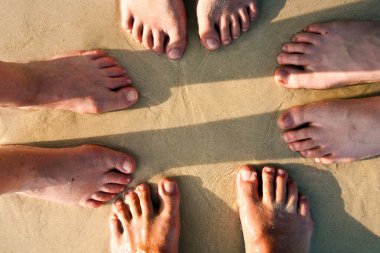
[(198, 119)]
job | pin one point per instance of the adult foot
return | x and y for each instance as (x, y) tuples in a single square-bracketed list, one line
[(330, 55), (83, 81), (137, 227), (159, 25), (278, 220), (334, 131), (220, 21), (87, 175)]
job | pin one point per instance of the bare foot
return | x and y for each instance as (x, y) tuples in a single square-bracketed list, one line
[(84, 82), (88, 175), (220, 21), (138, 227), (331, 55), (159, 25), (277, 221), (335, 130)]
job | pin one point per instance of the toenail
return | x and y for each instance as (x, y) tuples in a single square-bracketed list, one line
[(212, 44), (247, 176), (169, 187), (141, 188), (226, 42), (132, 95), (118, 202), (282, 76), (175, 53), (281, 173), (268, 170), (288, 120), (128, 167)]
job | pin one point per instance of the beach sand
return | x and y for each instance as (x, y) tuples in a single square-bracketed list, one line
[(197, 121)]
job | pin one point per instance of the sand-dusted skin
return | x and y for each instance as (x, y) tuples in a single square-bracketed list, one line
[(158, 25), (335, 130), (330, 55), (137, 226), (87, 175), (82, 81), (278, 220), (220, 21)]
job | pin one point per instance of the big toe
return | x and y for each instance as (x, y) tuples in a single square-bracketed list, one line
[(294, 78), (209, 36), (176, 45), (247, 186), (294, 117), (168, 192)]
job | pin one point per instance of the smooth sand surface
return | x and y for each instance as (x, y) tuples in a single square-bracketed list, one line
[(198, 120)]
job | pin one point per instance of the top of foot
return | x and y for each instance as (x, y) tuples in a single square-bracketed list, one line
[(278, 220), (331, 55), (137, 226), (158, 25), (220, 21)]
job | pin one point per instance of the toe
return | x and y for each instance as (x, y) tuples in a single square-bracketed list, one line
[(292, 199), (314, 153), (117, 100), (326, 160), (113, 177), (122, 212), (252, 9), (118, 82), (281, 180), (302, 145), (303, 206), (302, 134), (113, 188), (137, 30), (302, 48), (147, 37), (293, 118), (105, 62), (208, 34), (115, 228), (293, 59), (91, 203), (94, 54), (115, 71), (268, 175), (225, 32), (143, 191), (102, 196), (158, 41), (235, 27), (133, 201), (306, 37), (176, 45), (317, 28), (127, 21), (247, 186), (293, 78), (120, 161), (244, 20), (168, 192)]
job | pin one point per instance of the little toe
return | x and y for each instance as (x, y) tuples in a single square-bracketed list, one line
[(122, 212), (317, 28), (105, 62), (127, 21), (113, 188), (95, 54), (208, 34), (102, 196), (137, 30), (294, 118), (158, 41), (247, 186), (115, 228), (115, 177), (225, 32), (115, 71), (252, 8), (303, 206), (303, 145), (292, 199), (244, 19), (314, 153), (307, 37), (293, 59), (147, 37), (302, 48), (143, 191), (281, 181), (168, 192), (91, 203), (133, 201), (268, 175), (176, 45), (235, 27)]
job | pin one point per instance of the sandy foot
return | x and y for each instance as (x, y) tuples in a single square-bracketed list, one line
[(159, 25), (278, 220), (330, 55), (220, 21), (334, 131), (88, 175), (137, 227)]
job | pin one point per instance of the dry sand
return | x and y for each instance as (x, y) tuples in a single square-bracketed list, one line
[(198, 120)]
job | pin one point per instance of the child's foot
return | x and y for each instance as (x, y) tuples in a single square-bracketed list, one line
[(331, 55), (138, 227), (334, 131), (159, 25), (278, 220), (88, 175), (84, 82), (220, 21)]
